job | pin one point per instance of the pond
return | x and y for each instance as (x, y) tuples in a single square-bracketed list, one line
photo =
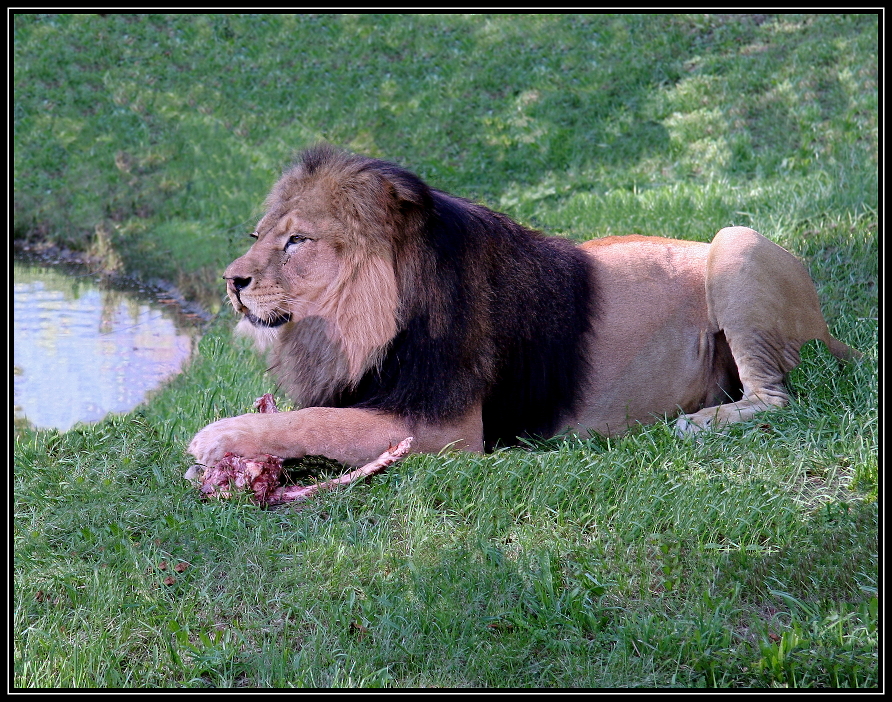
[(83, 349)]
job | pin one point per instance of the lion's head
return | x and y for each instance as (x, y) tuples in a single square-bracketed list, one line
[(318, 286)]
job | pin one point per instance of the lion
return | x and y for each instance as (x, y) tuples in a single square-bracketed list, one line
[(391, 309)]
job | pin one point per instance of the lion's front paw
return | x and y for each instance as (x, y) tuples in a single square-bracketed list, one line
[(231, 435)]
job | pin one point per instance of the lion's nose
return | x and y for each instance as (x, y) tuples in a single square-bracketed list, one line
[(239, 283)]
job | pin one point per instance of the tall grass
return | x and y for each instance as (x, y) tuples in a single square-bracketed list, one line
[(747, 559)]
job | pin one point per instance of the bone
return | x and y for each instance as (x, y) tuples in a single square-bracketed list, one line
[(296, 493), (266, 404)]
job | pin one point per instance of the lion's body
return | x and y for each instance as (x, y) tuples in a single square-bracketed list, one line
[(657, 351), (392, 309)]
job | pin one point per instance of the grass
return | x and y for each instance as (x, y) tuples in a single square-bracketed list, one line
[(747, 559)]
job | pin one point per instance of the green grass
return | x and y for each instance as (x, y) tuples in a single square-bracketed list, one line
[(747, 559)]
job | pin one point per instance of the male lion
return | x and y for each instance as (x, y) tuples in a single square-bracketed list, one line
[(391, 309)]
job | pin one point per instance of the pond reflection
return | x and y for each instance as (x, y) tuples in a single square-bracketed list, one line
[(81, 351)]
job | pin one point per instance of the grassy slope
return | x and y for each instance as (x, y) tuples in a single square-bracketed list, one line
[(748, 559)]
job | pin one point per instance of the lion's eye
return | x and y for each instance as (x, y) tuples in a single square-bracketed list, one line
[(296, 238), (253, 235)]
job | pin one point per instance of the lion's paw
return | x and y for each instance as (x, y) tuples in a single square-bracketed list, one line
[(692, 425), (231, 435)]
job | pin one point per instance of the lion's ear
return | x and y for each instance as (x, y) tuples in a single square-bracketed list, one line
[(386, 197), (405, 191)]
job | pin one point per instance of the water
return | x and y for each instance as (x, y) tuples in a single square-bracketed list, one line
[(82, 351)]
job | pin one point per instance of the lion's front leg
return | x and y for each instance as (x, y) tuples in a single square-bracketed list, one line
[(349, 435)]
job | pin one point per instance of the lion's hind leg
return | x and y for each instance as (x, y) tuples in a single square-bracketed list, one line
[(763, 299), (763, 386)]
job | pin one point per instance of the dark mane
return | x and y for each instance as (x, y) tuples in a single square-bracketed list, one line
[(490, 312)]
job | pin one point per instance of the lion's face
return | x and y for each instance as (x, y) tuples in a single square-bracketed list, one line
[(314, 264), (286, 273)]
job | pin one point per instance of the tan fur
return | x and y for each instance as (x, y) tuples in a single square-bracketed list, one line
[(680, 326), (362, 303), (679, 319)]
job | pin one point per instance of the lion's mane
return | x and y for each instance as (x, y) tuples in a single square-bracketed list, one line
[(441, 304)]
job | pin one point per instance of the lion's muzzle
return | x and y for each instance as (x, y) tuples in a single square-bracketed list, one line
[(234, 286)]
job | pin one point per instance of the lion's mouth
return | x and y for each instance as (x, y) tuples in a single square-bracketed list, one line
[(270, 323)]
